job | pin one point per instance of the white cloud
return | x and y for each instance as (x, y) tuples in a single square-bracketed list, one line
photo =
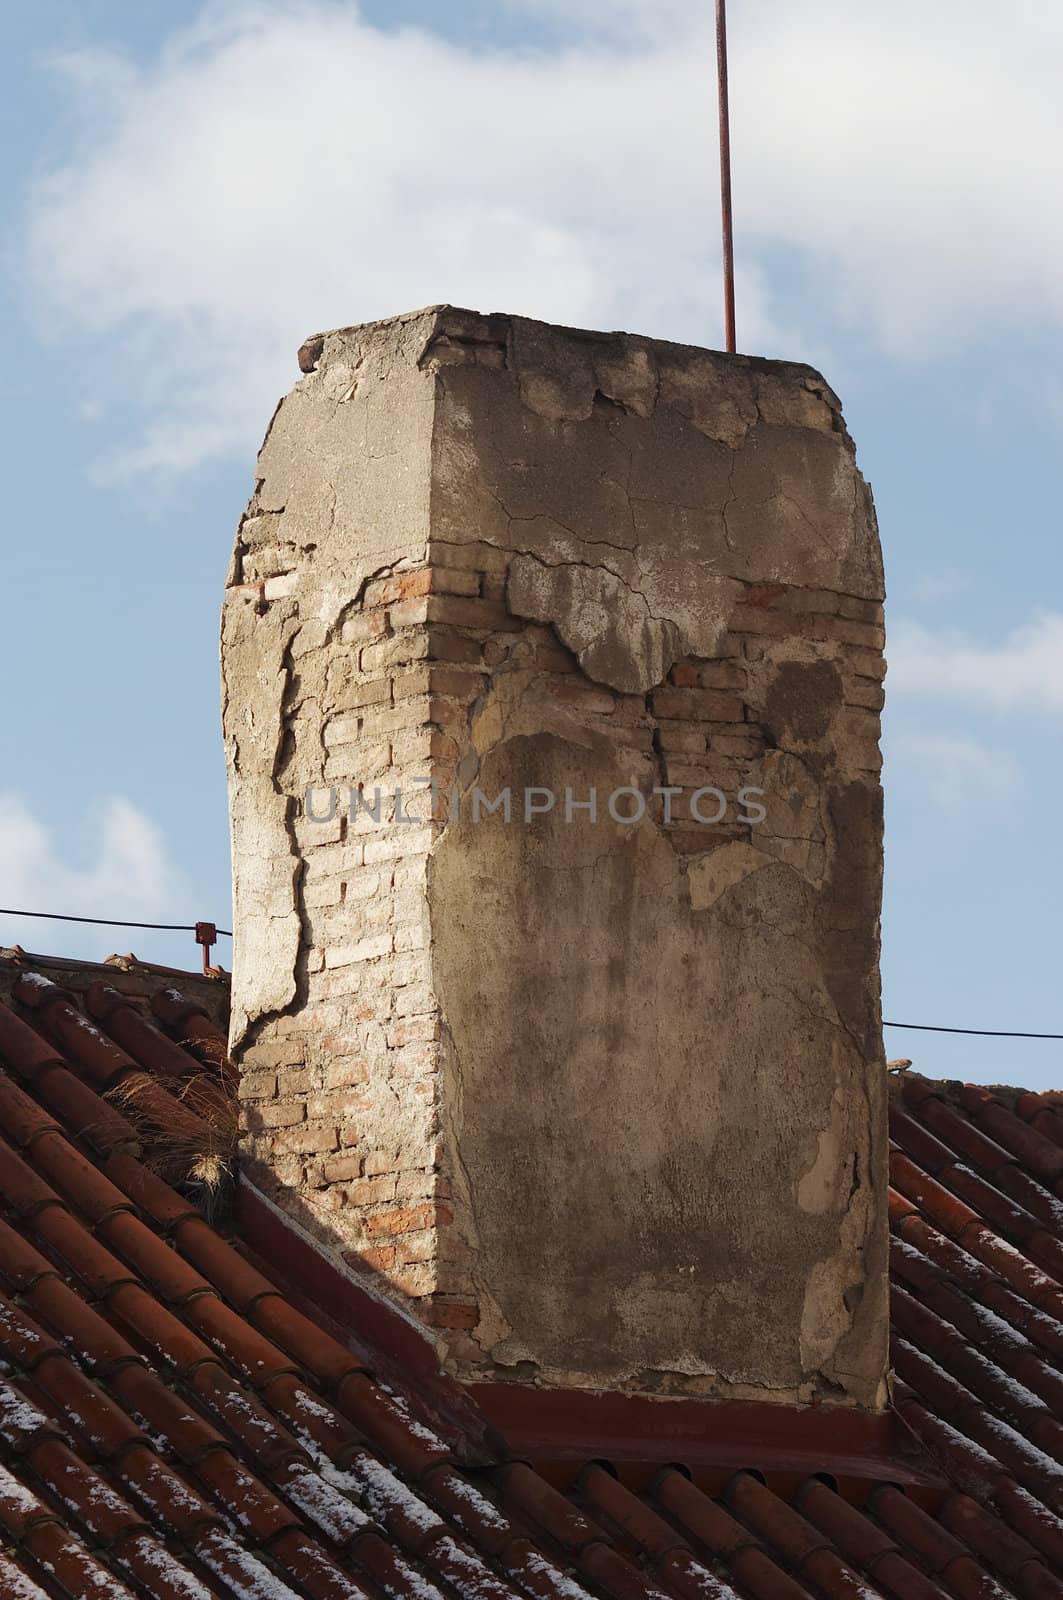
[(127, 873), (1022, 673), (934, 586), (963, 778), (284, 167)]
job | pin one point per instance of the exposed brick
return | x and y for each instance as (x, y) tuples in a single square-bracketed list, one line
[(710, 704), (373, 1191), (596, 702), (408, 1219), (342, 1074), (420, 1246), (409, 713), (367, 692), (867, 663), (864, 692), (775, 624), (861, 610), (452, 1314), (400, 586), (278, 1114), (323, 892), (865, 635), (413, 1030), (474, 556), (339, 1169), (379, 1259), (444, 645), (409, 613), (294, 1080), (821, 601), (685, 741), (460, 612), (305, 1140), (396, 650), (363, 626), (380, 1161), (722, 675), (362, 950), (743, 746), (416, 1280), (454, 581), (337, 1103), (764, 594), (257, 1085), (278, 1053)]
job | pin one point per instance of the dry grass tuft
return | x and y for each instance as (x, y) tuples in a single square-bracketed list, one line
[(188, 1127)]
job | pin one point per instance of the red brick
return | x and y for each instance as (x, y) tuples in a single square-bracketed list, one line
[(400, 586), (305, 1140), (467, 613), (372, 1191), (697, 704), (446, 646), (342, 1074), (416, 1280), (860, 610), (380, 1259), (340, 1169), (420, 1246), (455, 581), (339, 1103), (451, 1314), (294, 1080), (722, 675), (363, 626), (258, 1085), (278, 1114), (380, 1161), (472, 556), (413, 1030), (684, 675), (764, 594), (408, 1219), (864, 692), (409, 613)]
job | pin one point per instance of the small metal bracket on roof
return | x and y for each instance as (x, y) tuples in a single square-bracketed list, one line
[(207, 936)]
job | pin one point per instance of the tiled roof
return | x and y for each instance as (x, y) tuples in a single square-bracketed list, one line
[(173, 1424)]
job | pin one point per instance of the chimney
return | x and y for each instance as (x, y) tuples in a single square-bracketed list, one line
[(584, 1067)]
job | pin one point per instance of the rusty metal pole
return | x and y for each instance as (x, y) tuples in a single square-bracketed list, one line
[(725, 179)]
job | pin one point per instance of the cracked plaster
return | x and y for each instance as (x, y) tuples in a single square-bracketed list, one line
[(659, 1077)]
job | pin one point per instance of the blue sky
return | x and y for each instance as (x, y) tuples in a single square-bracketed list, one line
[(188, 192)]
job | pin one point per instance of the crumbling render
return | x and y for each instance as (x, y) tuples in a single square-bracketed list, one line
[(492, 1063)]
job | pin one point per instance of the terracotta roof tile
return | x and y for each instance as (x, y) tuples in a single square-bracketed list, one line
[(174, 1424)]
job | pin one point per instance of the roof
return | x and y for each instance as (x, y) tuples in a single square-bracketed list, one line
[(176, 1421)]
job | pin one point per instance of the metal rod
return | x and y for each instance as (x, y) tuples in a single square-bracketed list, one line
[(725, 179)]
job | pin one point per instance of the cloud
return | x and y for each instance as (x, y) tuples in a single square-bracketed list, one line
[(128, 873), (282, 167), (1023, 673), (964, 779), (934, 586)]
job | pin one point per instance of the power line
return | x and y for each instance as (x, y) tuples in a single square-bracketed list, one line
[(982, 1033), (191, 927), (113, 922)]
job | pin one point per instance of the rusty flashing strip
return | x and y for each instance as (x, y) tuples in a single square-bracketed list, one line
[(361, 1317), (558, 1425)]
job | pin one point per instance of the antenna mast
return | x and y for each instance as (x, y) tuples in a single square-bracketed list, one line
[(725, 178)]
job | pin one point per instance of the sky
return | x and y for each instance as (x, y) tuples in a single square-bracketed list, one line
[(188, 191)]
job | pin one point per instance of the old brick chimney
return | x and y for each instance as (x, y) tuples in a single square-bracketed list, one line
[(590, 1081)]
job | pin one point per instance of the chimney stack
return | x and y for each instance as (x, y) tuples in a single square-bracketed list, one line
[(575, 1046)]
